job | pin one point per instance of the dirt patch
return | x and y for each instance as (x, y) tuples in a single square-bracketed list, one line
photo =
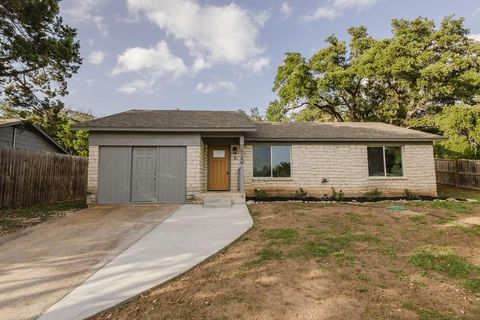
[(317, 261), (470, 220), (45, 262), (13, 220)]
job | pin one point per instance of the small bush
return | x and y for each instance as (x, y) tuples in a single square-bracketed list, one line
[(411, 195), (373, 194), (300, 194), (337, 196), (260, 195)]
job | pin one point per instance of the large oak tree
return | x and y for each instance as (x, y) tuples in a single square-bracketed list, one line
[(420, 70)]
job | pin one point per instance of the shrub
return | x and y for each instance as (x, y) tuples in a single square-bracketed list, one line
[(301, 194), (373, 194), (260, 195), (337, 196), (411, 195)]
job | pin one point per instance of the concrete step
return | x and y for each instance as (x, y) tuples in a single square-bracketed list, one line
[(235, 197), (211, 202)]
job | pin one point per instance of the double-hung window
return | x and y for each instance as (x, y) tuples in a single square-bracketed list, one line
[(385, 161), (271, 161)]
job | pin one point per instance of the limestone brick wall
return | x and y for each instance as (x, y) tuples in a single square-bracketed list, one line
[(203, 166), (234, 165), (345, 167), (92, 176), (194, 172)]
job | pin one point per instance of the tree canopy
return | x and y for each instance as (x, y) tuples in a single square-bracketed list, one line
[(38, 54), (461, 124), (419, 71)]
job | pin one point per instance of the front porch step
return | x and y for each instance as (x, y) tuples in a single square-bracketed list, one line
[(226, 198), (211, 202)]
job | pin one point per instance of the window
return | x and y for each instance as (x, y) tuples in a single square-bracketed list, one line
[(219, 153), (271, 161), (385, 161)]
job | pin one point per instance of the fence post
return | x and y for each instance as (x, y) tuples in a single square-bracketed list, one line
[(456, 173)]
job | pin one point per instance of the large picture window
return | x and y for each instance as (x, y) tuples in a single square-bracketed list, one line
[(271, 161), (385, 161)]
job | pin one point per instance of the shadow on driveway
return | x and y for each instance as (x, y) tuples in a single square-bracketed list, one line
[(41, 266)]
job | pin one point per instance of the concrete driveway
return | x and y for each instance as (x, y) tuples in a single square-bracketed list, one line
[(42, 265), (190, 235)]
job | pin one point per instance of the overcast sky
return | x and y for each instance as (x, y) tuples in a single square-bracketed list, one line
[(218, 55)]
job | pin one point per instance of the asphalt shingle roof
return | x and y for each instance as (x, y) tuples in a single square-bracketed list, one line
[(171, 119), (192, 120), (337, 131)]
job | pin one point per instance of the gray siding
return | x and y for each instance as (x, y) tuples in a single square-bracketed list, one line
[(171, 167), (25, 138), (6, 134), (114, 174), (29, 139), (143, 139)]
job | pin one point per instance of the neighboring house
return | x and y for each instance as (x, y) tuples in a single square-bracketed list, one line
[(21, 134), (177, 156)]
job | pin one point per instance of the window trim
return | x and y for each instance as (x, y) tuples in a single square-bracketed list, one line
[(271, 162), (385, 176)]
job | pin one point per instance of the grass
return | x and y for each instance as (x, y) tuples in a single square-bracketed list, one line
[(286, 235), (445, 261), (329, 244), (297, 253), (427, 314), (313, 243), (461, 193), (12, 220)]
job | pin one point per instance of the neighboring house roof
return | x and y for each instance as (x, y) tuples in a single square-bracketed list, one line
[(10, 122), (171, 120), (336, 131), (188, 120)]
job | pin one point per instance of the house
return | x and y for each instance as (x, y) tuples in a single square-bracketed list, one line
[(180, 156), (22, 134)]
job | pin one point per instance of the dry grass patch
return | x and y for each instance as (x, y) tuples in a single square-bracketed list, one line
[(335, 261)]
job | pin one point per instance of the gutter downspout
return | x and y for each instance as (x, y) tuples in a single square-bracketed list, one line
[(241, 177)]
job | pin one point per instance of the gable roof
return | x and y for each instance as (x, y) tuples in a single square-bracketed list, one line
[(336, 131), (171, 120), (204, 121), (10, 122)]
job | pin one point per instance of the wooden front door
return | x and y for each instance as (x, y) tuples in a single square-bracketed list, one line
[(218, 168)]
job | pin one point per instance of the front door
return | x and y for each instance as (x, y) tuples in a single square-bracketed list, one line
[(218, 168)]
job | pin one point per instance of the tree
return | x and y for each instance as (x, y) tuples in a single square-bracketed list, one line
[(275, 112), (58, 125), (461, 124), (255, 114), (38, 53), (420, 70)]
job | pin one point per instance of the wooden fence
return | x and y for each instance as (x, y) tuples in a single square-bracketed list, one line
[(459, 173), (30, 177)]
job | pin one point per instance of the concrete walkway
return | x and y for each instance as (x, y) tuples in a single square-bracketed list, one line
[(186, 238)]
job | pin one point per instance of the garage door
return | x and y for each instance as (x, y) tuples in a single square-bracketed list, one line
[(142, 174)]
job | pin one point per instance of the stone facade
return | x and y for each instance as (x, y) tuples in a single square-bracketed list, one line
[(234, 165), (345, 167), (92, 176), (194, 172)]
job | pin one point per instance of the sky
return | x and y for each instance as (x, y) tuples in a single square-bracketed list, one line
[(215, 55)]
